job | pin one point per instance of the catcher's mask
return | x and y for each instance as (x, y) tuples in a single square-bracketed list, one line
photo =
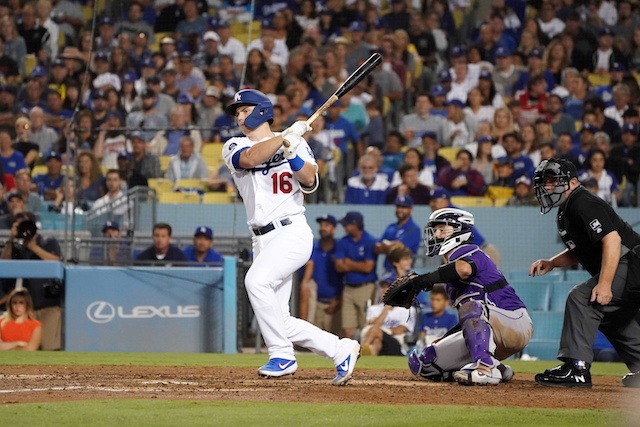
[(554, 173), (440, 240)]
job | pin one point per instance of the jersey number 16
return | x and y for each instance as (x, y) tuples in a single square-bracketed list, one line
[(282, 183)]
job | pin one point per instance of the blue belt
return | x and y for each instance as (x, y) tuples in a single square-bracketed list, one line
[(260, 231)]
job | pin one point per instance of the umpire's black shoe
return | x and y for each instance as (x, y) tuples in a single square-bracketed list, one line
[(574, 373), (631, 380)]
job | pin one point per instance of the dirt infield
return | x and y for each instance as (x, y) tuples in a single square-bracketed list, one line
[(19, 384)]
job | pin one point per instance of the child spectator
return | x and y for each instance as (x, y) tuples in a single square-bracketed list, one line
[(523, 194), (435, 323)]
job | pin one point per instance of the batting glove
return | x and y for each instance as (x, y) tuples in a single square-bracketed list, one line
[(294, 141), (299, 128)]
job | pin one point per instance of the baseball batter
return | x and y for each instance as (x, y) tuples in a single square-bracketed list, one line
[(493, 322), (272, 180)]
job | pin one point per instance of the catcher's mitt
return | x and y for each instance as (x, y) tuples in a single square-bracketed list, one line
[(403, 291)]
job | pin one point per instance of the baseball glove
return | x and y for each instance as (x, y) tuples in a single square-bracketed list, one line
[(403, 291)]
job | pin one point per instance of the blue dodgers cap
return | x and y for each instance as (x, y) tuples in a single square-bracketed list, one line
[(357, 26), (618, 66), (535, 52), (101, 56), (444, 76), (267, 24), (124, 154), (589, 127), (223, 24), (484, 139), (430, 134), (404, 201), (457, 52), (502, 52), (53, 155), (203, 231), (630, 128), (9, 88), (136, 134), (59, 62), (185, 98), (106, 21), (38, 71), (485, 74), (440, 192), (110, 225), (130, 77), (605, 32), (438, 90), (454, 102), (328, 218), (352, 217), (148, 63)]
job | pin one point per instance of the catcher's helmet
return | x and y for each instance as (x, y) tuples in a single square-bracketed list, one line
[(262, 113), (438, 241), (556, 172)]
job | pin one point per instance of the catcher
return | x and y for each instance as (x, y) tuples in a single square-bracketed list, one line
[(493, 323)]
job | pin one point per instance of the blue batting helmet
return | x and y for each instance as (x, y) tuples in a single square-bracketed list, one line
[(262, 113)]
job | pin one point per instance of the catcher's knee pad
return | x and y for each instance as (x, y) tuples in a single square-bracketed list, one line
[(477, 332), (424, 366)]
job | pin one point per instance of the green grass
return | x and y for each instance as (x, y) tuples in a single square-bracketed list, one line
[(173, 413), (45, 358)]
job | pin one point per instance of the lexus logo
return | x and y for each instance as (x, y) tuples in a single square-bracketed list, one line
[(101, 312)]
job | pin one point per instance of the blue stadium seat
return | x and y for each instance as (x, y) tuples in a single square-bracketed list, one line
[(559, 292), (576, 276), (547, 327), (555, 275), (535, 293)]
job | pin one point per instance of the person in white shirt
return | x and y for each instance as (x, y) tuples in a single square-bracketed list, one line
[(104, 79), (549, 23), (621, 98), (109, 203), (43, 10), (230, 46), (187, 163)]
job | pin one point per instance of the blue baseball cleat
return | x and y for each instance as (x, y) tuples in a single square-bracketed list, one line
[(277, 367), (345, 369)]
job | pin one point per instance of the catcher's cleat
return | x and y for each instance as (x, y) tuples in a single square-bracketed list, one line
[(346, 367), (506, 371), (278, 367), (482, 375), (365, 350), (570, 374), (631, 380)]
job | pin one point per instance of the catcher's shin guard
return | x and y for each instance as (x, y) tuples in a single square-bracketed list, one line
[(477, 332), (423, 366)]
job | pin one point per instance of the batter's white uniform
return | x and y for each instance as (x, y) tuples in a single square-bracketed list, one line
[(272, 195)]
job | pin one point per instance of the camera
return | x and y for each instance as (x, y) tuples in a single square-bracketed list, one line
[(27, 229), (53, 288)]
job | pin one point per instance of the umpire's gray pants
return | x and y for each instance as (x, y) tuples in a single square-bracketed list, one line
[(616, 320)]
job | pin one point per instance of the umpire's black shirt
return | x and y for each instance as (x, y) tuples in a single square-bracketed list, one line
[(582, 223)]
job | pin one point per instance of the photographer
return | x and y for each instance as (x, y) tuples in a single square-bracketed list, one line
[(25, 243)]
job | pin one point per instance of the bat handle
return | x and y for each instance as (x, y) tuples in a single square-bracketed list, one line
[(328, 103)]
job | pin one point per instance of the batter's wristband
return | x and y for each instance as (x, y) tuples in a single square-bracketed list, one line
[(296, 163)]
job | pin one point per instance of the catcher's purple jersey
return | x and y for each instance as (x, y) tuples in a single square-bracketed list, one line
[(486, 274)]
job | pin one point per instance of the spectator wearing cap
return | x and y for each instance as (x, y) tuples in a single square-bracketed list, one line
[(23, 142), (583, 141), (621, 103), (8, 66), (409, 185), (189, 79), (273, 49), (113, 250), (359, 50), (143, 163), (31, 96), (370, 186), (162, 252), (404, 232), (10, 159), (464, 75), (461, 179), (523, 194), (104, 78), (506, 75), (202, 249), (24, 185), (594, 167), (231, 46), (455, 130), (35, 36), (341, 129), (111, 140), (414, 125), (208, 60), (187, 164), (321, 285), (48, 183), (100, 108), (193, 22), (42, 135), (169, 83), (438, 97), (135, 24), (148, 120), (164, 103), (355, 258), (209, 109), (616, 75), (626, 155), (106, 39), (606, 53), (129, 176)]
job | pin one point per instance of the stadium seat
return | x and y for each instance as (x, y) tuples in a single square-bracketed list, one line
[(499, 192), (161, 185), (471, 202), (576, 276), (164, 163), (212, 154), (554, 276), (535, 294), (596, 80), (191, 183), (39, 170), (217, 197), (547, 327), (448, 153), (179, 197), (559, 292), (500, 202)]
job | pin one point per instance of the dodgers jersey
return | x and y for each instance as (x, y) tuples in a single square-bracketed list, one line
[(270, 190)]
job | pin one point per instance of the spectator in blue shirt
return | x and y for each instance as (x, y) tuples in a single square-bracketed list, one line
[(11, 160), (522, 164), (48, 183), (356, 259), (341, 130), (435, 323), (405, 231), (369, 187), (202, 249), (162, 252)]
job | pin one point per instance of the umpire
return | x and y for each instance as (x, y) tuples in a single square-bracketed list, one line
[(606, 246)]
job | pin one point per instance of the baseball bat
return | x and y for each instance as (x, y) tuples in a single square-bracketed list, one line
[(356, 77)]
